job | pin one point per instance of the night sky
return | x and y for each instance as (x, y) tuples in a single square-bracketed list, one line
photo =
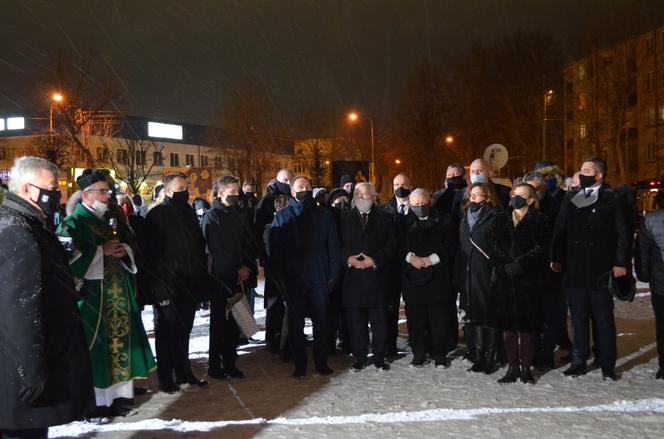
[(179, 60)]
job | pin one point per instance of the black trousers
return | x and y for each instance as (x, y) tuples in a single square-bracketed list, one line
[(224, 335), (554, 306), (658, 307), (598, 304), (358, 331), (172, 327), (313, 301), (275, 309), (393, 321), (30, 433), (430, 329)]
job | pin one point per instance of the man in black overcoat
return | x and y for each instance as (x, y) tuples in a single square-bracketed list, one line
[(590, 239), (45, 372)]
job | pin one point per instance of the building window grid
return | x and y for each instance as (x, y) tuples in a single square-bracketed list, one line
[(122, 156), (650, 81), (205, 161), (651, 152), (582, 131), (158, 158), (140, 158), (189, 159), (650, 46), (175, 159)]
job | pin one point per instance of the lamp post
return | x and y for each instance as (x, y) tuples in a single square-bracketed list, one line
[(548, 97), (354, 117), (55, 99)]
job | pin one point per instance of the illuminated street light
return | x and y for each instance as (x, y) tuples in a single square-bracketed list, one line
[(548, 100), (354, 117), (56, 98), (327, 162), (449, 139), (397, 161)]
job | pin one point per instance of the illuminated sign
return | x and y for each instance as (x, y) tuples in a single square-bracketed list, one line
[(15, 123), (164, 130)]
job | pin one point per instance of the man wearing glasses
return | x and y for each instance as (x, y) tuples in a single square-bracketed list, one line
[(103, 264)]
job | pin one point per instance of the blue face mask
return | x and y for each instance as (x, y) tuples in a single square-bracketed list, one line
[(478, 178)]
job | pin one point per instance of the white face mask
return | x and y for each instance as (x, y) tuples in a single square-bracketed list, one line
[(363, 205), (99, 208), (478, 178)]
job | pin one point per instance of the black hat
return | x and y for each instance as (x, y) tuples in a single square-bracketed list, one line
[(158, 188), (622, 288), (345, 179), (336, 193), (89, 177), (137, 200), (419, 277)]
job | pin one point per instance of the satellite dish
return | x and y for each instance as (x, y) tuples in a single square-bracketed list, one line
[(497, 156)]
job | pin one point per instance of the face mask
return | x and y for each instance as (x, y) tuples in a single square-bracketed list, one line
[(478, 178), (181, 197), (587, 180), (48, 201), (518, 202), (304, 196), (284, 188), (99, 208), (363, 205), (342, 205), (551, 184), (249, 194), (401, 192), (455, 182), (232, 200), (421, 211), (475, 207)]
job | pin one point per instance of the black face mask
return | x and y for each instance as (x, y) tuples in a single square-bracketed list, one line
[(343, 205), (456, 182), (475, 207), (248, 194), (587, 180), (47, 200), (284, 188), (518, 202), (304, 196), (421, 211), (180, 198), (401, 192), (233, 200)]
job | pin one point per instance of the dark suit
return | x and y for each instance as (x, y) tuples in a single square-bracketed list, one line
[(367, 294), (589, 241), (304, 249)]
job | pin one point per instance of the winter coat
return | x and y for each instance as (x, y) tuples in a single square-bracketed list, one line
[(392, 209), (449, 201), (522, 279), (370, 287), (264, 215), (436, 234), (304, 247), (176, 254), (649, 256), (228, 231), (475, 275), (591, 240), (41, 333)]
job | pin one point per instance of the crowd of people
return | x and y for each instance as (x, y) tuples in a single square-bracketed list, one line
[(505, 262)]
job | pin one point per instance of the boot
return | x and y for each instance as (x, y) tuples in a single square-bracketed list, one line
[(527, 376), (512, 376), (490, 343), (480, 352)]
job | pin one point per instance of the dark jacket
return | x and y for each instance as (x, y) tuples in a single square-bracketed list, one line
[(589, 241), (475, 275), (449, 201), (228, 232), (40, 331), (304, 246), (264, 215), (176, 253), (392, 209), (520, 301), (649, 256), (550, 204), (368, 288), (436, 234)]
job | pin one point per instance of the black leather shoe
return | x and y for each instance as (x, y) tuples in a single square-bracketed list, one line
[(381, 365), (299, 374), (660, 374), (418, 360), (527, 376), (512, 376), (359, 365), (575, 371), (609, 373), (443, 362), (217, 373), (234, 372), (169, 388), (193, 381), (324, 370)]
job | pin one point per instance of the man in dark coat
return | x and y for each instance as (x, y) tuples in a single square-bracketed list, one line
[(369, 247), (480, 172), (450, 198), (304, 246), (45, 373), (590, 239), (249, 191), (649, 264), (179, 277), (428, 240), (273, 300), (398, 208), (229, 236)]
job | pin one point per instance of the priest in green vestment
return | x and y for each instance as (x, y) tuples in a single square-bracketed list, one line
[(103, 263)]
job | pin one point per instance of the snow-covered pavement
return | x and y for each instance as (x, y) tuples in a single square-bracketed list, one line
[(405, 402)]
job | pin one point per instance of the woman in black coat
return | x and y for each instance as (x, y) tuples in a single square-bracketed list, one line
[(484, 243), (520, 306), (428, 245)]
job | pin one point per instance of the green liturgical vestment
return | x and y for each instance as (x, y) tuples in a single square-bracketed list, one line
[(119, 348)]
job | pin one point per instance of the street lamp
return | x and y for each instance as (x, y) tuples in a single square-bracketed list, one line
[(449, 139), (354, 117), (397, 161), (548, 99), (56, 98)]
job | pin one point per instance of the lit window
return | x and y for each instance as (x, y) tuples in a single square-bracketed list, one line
[(189, 158), (15, 123), (582, 131), (582, 72), (164, 130), (2, 124)]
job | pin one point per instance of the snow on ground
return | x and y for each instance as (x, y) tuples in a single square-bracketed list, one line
[(405, 402)]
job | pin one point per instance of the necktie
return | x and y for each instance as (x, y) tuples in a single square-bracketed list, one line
[(589, 192), (402, 209), (365, 217)]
